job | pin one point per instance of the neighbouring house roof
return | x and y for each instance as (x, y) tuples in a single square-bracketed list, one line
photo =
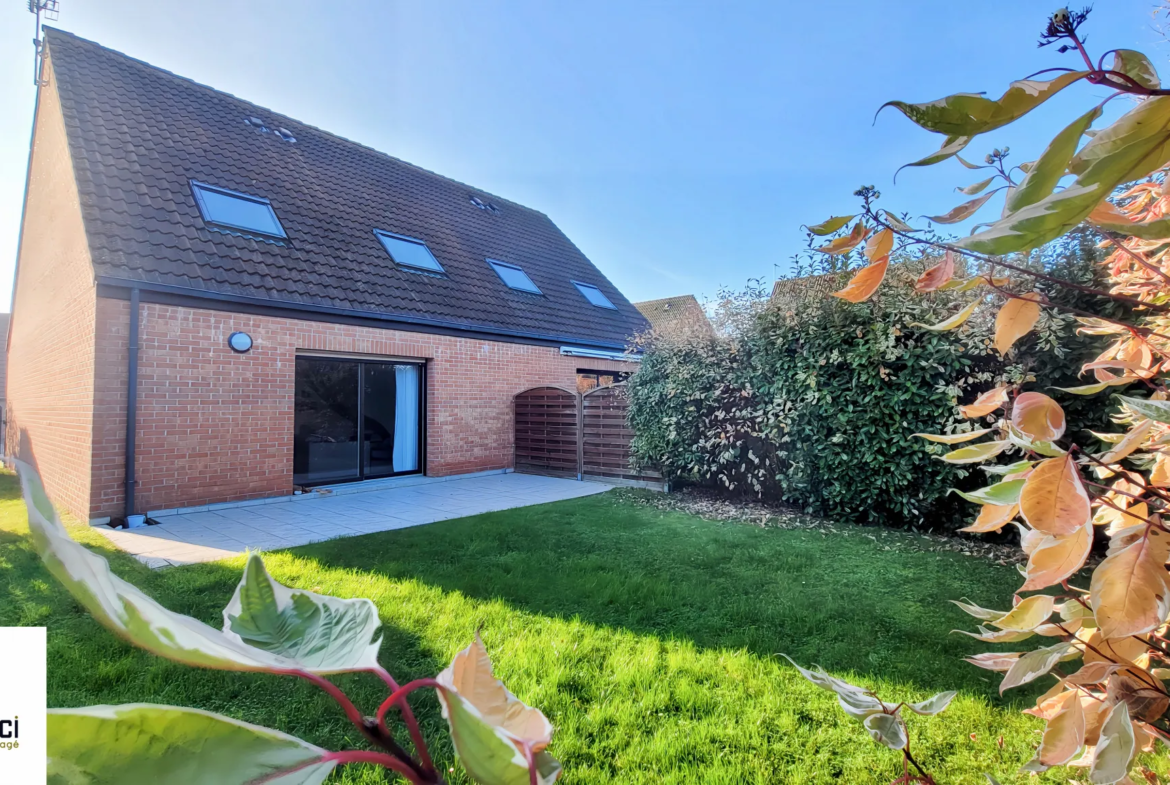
[(140, 135), (680, 315), (787, 292)]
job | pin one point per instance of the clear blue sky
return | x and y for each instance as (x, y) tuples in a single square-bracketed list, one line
[(680, 145)]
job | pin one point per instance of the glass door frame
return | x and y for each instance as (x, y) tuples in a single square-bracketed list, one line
[(361, 363)]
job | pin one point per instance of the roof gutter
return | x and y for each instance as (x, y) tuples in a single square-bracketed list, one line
[(409, 323)]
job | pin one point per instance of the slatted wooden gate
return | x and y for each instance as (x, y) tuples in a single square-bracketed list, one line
[(548, 432), (562, 434), (606, 436)]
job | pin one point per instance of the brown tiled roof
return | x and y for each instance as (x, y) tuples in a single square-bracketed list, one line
[(139, 135), (789, 291), (676, 315)]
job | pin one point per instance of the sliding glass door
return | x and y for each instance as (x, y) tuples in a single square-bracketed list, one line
[(356, 420)]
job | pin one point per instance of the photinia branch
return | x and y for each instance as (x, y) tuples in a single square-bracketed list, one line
[(342, 758), (1140, 333), (408, 717), (1073, 638), (1133, 302), (907, 758), (1121, 510), (1137, 331), (1156, 731), (1116, 240), (1158, 493), (280, 773), (1107, 77), (399, 696), (922, 777), (1150, 523), (378, 759), (530, 757), (374, 732), (342, 700), (1060, 677), (1119, 492)]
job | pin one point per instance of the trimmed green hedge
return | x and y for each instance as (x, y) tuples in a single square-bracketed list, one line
[(816, 405)]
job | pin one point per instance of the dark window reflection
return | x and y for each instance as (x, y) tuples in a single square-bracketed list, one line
[(325, 443)]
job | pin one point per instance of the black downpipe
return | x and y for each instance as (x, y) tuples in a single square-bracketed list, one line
[(131, 401)]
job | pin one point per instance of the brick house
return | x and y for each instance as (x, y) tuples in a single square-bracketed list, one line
[(268, 305)]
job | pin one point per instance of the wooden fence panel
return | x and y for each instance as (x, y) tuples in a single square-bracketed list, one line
[(606, 436), (548, 432)]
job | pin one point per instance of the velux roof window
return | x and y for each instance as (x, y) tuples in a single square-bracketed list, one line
[(409, 253), (236, 210), (594, 295), (514, 277)]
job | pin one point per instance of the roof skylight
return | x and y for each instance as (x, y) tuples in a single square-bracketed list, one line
[(594, 295), (408, 252), (514, 277), (236, 210)]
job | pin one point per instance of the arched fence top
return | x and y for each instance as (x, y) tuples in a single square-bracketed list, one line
[(603, 388), (589, 440), (548, 431), (556, 387)]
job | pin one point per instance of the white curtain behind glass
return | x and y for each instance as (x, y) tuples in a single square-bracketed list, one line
[(406, 416)]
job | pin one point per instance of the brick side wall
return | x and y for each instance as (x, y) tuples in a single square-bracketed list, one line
[(51, 344), (217, 426)]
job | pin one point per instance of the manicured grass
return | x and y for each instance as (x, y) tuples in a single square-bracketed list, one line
[(649, 638)]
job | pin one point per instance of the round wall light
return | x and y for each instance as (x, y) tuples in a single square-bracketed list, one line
[(240, 342)]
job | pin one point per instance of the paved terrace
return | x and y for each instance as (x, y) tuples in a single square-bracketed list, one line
[(221, 531)]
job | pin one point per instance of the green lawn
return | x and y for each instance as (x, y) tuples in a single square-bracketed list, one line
[(649, 638)]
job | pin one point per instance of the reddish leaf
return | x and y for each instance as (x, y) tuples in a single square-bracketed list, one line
[(938, 275), (986, 403), (1038, 416)]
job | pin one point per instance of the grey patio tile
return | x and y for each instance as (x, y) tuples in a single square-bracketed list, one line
[(422, 515), (195, 553), (270, 545), (222, 533)]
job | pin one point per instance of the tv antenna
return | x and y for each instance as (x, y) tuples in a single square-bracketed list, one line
[(44, 10)]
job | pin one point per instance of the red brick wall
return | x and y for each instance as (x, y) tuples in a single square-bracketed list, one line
[(217, 426), (51, 343)]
